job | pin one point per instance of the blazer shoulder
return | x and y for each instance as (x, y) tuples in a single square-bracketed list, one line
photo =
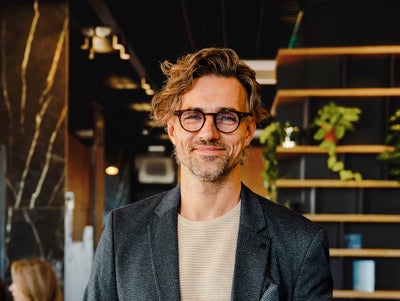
[(279, 216), (137, 211)]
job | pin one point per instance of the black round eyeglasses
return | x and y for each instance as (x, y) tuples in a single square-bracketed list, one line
[(226, 121)]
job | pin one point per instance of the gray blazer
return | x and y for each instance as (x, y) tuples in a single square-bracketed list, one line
[(280, 254)]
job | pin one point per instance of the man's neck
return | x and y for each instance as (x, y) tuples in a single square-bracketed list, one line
[(208, 200)]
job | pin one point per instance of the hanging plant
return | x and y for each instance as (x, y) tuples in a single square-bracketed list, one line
[(270, 138), (333, 121), (393, 139)]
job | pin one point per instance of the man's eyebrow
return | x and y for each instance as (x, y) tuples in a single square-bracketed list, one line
[(218, 110)]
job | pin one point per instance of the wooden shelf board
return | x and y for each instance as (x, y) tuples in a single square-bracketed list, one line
[(394, 253), (356, 149), (328, 183), (288, 55), (339, 92), (364, 295), (288, 96), (354, 218)]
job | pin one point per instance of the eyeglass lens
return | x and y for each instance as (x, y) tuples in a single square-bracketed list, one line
[(225, 121)]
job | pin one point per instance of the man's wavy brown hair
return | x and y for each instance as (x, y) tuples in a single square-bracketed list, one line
[(220, 62)]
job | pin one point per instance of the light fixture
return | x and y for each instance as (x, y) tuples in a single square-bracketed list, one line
[(112, 170), (85, 133), (101, 39), (120, 82), (146, 87), (140, 106)]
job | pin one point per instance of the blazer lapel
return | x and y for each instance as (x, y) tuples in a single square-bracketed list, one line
[(251, 267), (164, 246)]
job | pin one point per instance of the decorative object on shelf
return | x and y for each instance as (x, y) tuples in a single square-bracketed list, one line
[(291, 136), (364, 275), (393, 138), (333, 121), (353, 240)]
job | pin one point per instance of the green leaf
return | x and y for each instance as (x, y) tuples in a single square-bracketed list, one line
[(340, 130), (345, 175), (331, 161), (393, 139), (357, 176), (319, 134), (338, 166)]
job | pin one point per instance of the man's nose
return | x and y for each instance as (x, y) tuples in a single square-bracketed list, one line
[(209, 129)]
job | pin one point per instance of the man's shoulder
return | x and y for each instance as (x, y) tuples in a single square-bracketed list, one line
[(142, 206), (131, 219), (280, 215)]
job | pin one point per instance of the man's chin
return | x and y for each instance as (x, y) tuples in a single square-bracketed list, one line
[(208, 173), (208, 159), (211, 178)]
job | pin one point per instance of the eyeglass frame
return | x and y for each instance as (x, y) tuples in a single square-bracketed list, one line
[(239, 114)]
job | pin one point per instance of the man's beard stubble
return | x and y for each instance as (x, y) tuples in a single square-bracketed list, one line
[(202, 168)]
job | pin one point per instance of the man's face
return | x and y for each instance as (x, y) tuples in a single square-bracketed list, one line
[(208, 153)]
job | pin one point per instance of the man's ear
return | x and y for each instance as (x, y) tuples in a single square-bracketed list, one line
[(171, 130), (250, 131)]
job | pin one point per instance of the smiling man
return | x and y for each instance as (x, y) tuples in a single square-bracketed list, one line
[(211, 237)]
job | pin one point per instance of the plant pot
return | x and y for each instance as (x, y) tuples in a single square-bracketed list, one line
[(331, 136)]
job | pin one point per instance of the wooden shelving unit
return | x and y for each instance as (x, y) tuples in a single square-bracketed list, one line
[(298, 65)]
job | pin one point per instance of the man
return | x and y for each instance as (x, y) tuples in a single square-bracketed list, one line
[(210, 238)]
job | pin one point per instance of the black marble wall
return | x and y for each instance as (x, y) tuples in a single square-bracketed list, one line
[(33, 114)]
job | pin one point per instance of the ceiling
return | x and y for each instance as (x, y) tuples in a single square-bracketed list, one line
[(153, 31), (156, 30)]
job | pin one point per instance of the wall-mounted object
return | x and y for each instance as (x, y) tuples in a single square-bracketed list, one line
[(101, 39), (155, 167)]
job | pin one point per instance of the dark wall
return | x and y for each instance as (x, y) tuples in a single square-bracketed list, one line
[(350, 22)]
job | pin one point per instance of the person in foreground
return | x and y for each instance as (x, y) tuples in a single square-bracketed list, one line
[(210, 237), (34, 279)]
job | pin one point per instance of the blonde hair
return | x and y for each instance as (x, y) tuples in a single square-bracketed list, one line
[(36, 279), (220, 62)]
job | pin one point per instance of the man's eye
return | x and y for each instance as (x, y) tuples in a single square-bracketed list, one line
[(193, 116), (227, 117)]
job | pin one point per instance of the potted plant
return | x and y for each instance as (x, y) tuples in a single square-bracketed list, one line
[(270, 138), (333, 121), (393, 138)]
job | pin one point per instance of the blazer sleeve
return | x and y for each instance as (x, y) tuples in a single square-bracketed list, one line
[(315, 278), (102, 281)]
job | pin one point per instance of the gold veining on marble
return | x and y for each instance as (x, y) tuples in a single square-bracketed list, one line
[(25, 61), (48, 158)]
